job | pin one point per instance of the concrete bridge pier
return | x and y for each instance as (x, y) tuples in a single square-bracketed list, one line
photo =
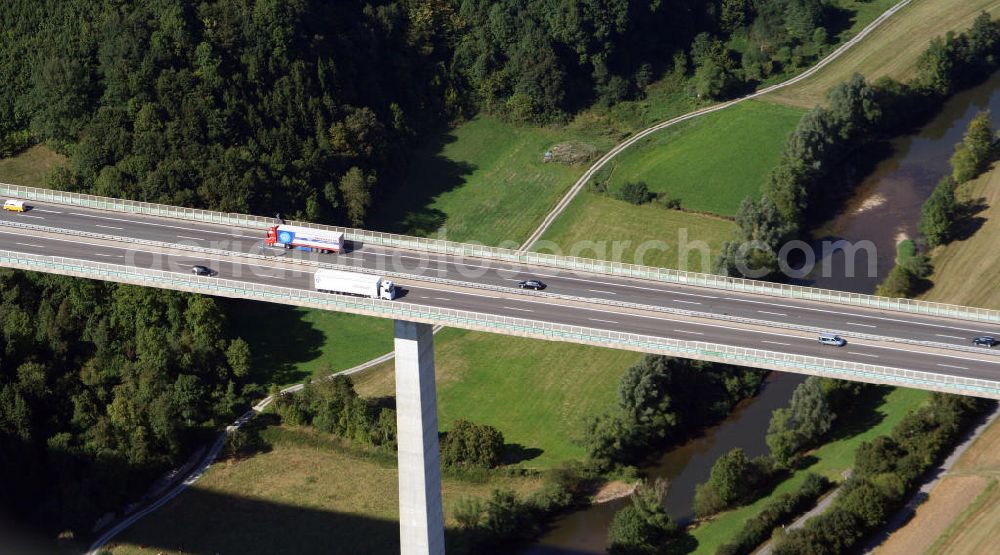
[(421, 518)]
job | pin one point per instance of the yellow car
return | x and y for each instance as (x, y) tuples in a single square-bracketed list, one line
[(15, 206)]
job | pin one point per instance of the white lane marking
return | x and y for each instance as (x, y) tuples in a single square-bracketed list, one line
[(442, 298), (31, 245), (949, 336), (192, 238), (605, 321), (862, 354), (35, 217), (168, 255), (860, 325), (685, 302), (930, 354), (953, 366), (480, 295), (46, 211), (658, 289), (108, 226), (705, 324), (776, 343), (691, 332), (109, 255), (521, 309), (188, 228), (600, 291), (772, 313), (853, 315)]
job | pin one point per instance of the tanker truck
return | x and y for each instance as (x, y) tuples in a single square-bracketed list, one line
[(304, 238), (353, 283)]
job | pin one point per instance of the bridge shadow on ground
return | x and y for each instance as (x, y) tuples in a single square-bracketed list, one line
[(407, 207), (204, 522), (279, 337)]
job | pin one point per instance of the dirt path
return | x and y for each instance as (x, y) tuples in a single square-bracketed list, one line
[(952, 487), (571, 194)]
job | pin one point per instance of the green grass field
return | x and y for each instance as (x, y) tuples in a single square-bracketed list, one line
[(905, 35), (30, 167), (307, 495), (830, 460), (485, 181), (963, 266), (633, 232), (537, 393), (290, 344), (713, 162)]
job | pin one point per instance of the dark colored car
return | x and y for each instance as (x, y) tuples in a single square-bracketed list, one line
[(202, 271), (531, 284), (985, 341)]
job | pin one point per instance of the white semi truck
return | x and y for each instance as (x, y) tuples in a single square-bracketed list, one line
[(353, 283)]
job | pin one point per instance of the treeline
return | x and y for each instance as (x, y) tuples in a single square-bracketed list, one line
[(333, 406), (663, 400), (943, 217), (782, 510), (308, 108), (301, 107), (737, 480), (886, 470), (808, 179), (102, 388)]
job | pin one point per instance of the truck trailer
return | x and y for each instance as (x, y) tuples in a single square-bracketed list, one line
[(353, 283), (304, 238)]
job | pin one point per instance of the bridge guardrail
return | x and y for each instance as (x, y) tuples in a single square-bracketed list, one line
[(503, 324), (496, 288), (619, 269)]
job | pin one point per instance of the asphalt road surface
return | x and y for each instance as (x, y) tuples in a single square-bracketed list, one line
[(984, 364)]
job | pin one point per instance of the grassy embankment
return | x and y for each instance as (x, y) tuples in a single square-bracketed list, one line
[(891, 50), (30, 167), (710, 163), (962, 513)]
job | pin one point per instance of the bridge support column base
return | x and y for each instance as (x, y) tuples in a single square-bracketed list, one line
[(421, 518)]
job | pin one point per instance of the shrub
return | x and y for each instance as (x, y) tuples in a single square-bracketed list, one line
[(469, 444), (635, 192)]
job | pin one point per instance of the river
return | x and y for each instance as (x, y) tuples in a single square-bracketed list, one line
[(884, 208)]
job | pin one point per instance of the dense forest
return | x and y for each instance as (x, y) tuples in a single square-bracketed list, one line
[(103, 387), (308, 107), (303, 107)]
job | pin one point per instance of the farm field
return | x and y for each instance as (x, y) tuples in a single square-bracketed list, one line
[(648, 234), (484, 181), (710, 163)]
